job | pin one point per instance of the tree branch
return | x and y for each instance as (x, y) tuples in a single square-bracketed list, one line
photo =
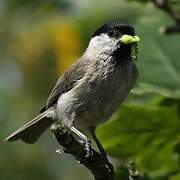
[(95, 163), (165, 6)]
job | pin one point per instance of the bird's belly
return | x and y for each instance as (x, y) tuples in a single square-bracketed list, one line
[(99, 104), (93, 102)]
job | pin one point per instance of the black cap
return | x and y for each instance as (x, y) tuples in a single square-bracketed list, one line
[(115, 30)]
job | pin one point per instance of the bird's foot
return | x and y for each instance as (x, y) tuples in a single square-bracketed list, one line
[(86, 141), (109, 166), (88, 148), (106, 161)]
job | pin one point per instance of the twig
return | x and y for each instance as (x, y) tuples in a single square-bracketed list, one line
[(133, 172), (165, 6), (95, 163)]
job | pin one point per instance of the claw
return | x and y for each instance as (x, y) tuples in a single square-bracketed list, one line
[(109, 167), (86, 141), (108, 164), (89, 152)]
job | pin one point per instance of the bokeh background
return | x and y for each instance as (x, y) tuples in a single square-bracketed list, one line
[(39, 39)]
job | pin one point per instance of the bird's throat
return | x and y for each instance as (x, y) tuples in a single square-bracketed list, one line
[(122, 54)]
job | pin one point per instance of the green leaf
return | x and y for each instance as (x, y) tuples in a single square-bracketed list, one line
[(159, 65), (141, 1), (146, 134)]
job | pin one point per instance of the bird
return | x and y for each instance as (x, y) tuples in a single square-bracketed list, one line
[(92, 89)]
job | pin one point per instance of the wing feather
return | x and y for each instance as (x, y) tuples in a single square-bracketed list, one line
[(66, 82)]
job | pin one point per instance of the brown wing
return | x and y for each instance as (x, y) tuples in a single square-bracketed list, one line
[(66, 82)]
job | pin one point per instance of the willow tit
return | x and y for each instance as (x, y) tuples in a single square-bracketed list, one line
[(92, 89)]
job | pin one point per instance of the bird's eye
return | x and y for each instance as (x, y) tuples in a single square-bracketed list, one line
[(114, 33)]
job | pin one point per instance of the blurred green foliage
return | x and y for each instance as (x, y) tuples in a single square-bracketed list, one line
[(40, 39)]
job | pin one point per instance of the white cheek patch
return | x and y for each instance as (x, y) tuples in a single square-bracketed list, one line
[(102, 43)]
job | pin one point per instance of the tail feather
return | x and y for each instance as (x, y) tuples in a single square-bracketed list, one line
[(31, 131)]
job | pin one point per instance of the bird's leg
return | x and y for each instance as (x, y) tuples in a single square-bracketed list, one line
[(92, 131), (100, 147), (85, 139)]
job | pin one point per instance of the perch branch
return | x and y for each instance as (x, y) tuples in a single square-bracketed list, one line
[(95, 163), (165, 6)]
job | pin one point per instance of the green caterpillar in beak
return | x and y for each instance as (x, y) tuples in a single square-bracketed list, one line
[(127, 39)]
